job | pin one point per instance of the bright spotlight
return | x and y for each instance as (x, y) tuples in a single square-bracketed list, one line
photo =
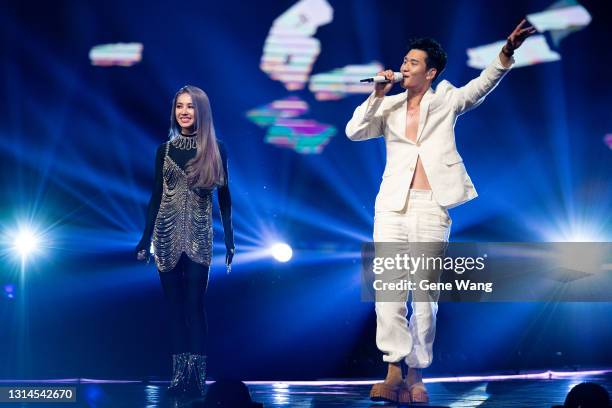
[(281, 252), (577, 232), (26, 242)]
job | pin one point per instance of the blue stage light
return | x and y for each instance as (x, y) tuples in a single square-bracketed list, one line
[(9, 291), (578, 230), (281, 252), (26, 242)]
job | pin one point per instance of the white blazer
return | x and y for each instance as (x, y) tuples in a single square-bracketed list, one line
[(435, 142)]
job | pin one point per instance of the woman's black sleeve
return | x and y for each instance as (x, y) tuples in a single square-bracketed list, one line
[(154, 202), (225, 202)]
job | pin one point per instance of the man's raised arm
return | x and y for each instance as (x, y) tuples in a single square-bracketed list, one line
[(473, 93)]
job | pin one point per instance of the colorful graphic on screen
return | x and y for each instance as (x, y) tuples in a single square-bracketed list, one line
[(290, 49), (286, 129), (336, 84), (562, 18), (302, 135), (535, 50), (120, 54), (285, 108)]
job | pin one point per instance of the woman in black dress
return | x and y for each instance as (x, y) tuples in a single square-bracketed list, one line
[(188, 168)]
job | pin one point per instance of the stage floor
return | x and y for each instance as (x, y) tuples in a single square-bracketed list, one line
[(526, 390)]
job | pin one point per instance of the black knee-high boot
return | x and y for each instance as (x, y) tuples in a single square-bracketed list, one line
[(181, 372), (197, 365)]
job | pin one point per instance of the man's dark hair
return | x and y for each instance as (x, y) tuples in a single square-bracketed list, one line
[(587, 395), (436, 56)]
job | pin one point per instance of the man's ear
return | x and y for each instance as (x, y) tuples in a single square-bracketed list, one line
[(431, 73)]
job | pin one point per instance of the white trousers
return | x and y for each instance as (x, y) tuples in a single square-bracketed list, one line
[(421, 220)]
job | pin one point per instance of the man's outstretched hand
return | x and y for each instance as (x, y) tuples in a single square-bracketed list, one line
[(520, 33), (514, 41)]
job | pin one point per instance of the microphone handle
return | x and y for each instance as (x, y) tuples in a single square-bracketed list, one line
[(386, 81)]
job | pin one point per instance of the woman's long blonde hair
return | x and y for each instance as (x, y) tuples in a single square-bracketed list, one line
[(206, 168)]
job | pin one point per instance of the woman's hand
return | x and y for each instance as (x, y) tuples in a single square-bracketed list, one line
[(141, 255), (229, 256)]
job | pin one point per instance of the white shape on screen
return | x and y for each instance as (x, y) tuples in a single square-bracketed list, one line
[(339, 82), (535, 50), (290, 49), (560, 18)]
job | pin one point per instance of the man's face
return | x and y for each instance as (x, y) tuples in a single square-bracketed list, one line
[(414, 69)]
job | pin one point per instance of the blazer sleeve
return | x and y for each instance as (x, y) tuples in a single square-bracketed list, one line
[(474, 92), (367, 121)]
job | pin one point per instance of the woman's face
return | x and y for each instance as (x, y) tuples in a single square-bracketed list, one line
[(185, 112)]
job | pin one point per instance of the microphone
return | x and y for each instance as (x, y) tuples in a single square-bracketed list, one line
[(378, 79)]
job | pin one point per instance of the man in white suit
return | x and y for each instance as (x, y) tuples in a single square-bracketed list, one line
[(424, 176)]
